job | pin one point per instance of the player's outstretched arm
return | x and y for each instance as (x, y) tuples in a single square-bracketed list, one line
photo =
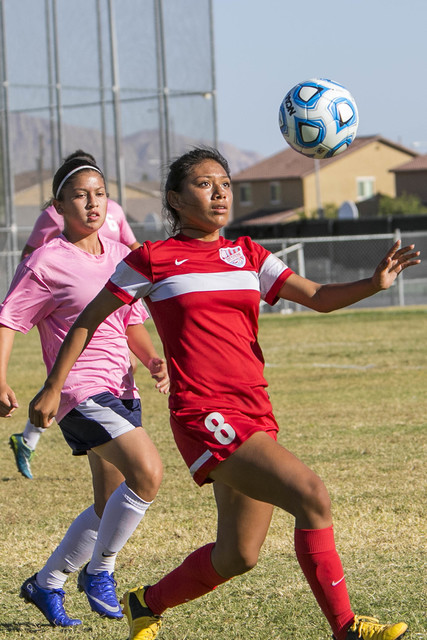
[(8, 402), (44, 406), (329, 297)]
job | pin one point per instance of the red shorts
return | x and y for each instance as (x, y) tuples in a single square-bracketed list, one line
[(205, 439)]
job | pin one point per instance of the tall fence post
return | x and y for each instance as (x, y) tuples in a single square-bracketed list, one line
[(400, 279)]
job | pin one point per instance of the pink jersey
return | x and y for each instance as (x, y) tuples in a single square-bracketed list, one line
[(50, 224), (204, 298), (49, 290)]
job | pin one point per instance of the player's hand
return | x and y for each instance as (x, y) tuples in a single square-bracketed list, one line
[(8, 402), (43, 407), (395, 261), (157, 368)]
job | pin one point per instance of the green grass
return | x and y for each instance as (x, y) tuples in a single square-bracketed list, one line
[(349, 392)]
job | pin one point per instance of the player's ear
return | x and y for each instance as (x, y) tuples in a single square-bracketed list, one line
[(174, 199), (58, 206)]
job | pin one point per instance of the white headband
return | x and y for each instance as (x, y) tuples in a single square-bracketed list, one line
[(64, 180)]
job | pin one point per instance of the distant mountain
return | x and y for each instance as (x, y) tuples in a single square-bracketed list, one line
[(31, 137)]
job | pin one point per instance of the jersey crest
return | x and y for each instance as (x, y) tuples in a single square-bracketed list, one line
[(233, 256)]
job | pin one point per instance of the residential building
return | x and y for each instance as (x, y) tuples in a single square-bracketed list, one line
[(411, 178), (289, 185)]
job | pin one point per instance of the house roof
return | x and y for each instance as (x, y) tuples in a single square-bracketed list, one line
[(416, 164), (288, 164)]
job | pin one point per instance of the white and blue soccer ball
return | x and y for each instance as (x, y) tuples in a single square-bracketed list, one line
[(319, 118)]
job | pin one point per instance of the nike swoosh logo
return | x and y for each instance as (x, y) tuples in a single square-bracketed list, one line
[(178, 262), (106, 606), (334, 583)]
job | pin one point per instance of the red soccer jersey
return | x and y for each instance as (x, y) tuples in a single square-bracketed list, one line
[(204, 299)]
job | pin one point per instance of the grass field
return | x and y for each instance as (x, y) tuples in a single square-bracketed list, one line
[(349, 391)]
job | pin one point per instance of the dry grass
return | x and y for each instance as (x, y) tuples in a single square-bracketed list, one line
[(349, 391)]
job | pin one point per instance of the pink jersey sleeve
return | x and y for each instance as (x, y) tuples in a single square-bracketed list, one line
[(27, 301), (138, 314), (48, 225)]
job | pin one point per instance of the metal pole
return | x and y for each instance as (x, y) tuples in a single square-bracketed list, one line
[(213, 75), (160, 84), (164, 87), (400, 280), (116, 105), (58, 89), (101, 90), (51, 89), (318, 196), (12, 237)]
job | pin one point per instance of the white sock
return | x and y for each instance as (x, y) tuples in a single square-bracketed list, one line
[(32, 435), (74, 550), (122, 514)]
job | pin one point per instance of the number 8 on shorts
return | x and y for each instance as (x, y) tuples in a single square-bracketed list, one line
[(223, 431)]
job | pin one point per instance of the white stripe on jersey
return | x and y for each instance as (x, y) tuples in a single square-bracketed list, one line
[(138, 286), (201, 282), (269, 272)]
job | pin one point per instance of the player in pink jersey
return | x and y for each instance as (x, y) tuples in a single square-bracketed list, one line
[(49, 225), (203, 292), (100, 409)]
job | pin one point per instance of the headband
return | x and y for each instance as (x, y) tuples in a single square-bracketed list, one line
[(64, 180)]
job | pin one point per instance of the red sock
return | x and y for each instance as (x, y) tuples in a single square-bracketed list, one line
[(192, 579), (320, 562)]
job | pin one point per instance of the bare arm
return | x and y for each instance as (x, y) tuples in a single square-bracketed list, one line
[(8, 402), (141, 345), (45, 404), (329, 297)]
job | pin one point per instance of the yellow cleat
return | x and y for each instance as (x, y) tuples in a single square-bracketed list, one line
[(143, 624), (365, 628)]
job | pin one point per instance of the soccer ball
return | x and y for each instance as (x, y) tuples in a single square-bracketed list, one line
[(318, 118)]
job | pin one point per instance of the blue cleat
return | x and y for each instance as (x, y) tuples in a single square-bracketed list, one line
[(100, 590), (49, 601), (23, 454)]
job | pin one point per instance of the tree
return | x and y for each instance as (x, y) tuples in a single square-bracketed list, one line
[(406, 204)]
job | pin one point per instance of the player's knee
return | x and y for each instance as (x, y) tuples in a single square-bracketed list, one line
[(236, 562), (316, 498), (146, 479)]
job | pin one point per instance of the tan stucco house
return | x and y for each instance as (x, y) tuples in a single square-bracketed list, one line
[(288, 184)]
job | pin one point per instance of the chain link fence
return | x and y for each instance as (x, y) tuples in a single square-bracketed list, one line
[(322, 259), (349, 258)]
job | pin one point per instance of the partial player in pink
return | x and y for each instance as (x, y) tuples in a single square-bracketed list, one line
[(49, 225), (99, 409), (203, 292)]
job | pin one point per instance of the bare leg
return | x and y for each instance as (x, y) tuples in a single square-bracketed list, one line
[(136, 457), (105, 480), (242, 527), (264, 470)]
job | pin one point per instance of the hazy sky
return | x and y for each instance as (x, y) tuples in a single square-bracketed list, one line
[(376, 48)]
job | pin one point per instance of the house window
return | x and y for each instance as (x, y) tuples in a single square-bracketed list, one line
[(365, 188), (275, 193), (245, 193)]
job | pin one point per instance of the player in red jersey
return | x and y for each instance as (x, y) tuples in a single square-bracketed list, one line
[(203, 292)]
